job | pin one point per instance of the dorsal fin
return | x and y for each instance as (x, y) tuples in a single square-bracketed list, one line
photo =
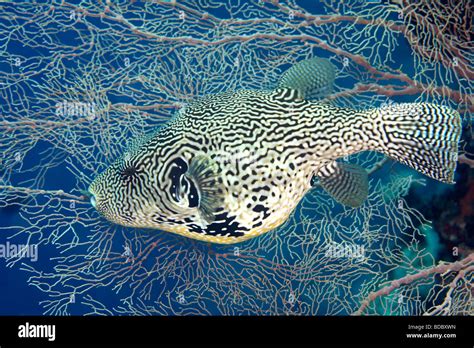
[(313, 79)]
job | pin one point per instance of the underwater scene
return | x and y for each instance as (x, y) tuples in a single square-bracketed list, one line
[(270, 157)]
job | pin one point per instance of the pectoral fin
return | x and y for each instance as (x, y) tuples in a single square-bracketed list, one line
[(204, 172), (346, 183)]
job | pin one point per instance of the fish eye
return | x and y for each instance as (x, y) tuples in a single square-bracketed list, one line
[(129, 171)]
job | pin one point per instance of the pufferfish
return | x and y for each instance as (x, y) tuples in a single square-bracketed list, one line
[(232, 166)]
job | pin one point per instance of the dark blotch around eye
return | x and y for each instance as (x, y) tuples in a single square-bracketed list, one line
[(177, 170), (193, 196)]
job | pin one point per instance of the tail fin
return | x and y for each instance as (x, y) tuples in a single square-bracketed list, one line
[(421, 135)]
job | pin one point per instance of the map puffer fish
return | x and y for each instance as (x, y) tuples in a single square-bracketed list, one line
[(232, 166)]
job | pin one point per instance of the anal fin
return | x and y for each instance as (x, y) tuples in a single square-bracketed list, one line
[(347, 183)]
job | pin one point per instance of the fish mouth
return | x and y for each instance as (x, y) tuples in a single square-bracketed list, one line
[(100, 206), (89, 193), (93, 200)]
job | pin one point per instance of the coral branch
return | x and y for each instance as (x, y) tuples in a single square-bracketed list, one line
[(461, 267)]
